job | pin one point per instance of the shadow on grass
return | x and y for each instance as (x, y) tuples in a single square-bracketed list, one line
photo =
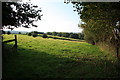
[(32, 64)]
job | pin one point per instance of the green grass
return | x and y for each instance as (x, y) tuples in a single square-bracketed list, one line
[(49, 58)]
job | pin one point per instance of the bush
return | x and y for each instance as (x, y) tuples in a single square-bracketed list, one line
[(19, 33), (49, 33), (8, 32), (34, 35), (65, 34), (75, 36), (54, 33), (59, 34), (44, 36), (29, 34), (3, 32), (40, 32)]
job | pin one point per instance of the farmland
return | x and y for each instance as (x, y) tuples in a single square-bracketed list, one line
[(38, 57)]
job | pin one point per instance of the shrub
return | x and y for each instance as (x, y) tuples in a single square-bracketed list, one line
[(44, 36), (19, 33), (29, 34), (65, 34), (8, 32), (49, 33), (34, 35), (75, 36), (54, 33), (40, 32), (3, 32), (59, 34)]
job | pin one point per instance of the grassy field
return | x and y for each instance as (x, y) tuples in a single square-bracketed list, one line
[(52, 58)]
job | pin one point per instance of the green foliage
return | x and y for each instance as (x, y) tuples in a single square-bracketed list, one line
[(59, 34), (75, 36), (49, 33), (8, 32), (100, 22), (29, 34), (44, 36), (3, 32), (54, 33), (64, 34), (34, 34), (81, 36), (40, 32), (24, 15), (67, 35), (19, 33)]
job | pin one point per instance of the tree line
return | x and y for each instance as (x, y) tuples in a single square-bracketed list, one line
[(68, 35), (60, 34)]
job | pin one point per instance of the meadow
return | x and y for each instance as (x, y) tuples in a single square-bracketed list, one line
[(38, 57)]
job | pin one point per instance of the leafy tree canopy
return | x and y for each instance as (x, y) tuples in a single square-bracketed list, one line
[(101, 21), (15, 14), (99, 18)]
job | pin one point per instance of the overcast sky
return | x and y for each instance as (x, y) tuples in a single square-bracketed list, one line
[(57, 16)]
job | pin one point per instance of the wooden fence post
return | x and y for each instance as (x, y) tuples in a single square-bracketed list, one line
[(15, 45), (15, 41)]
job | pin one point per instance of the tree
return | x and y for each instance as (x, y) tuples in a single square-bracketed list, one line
[(15, 14), (34, 34), (44, 36), (75, 36), (19, 33), (40, 32), (59, 34), (64, 34), (81, 36), (3, 32), (30, 34), (54, 33), (8, 32), (100, 21), (49, 33)]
